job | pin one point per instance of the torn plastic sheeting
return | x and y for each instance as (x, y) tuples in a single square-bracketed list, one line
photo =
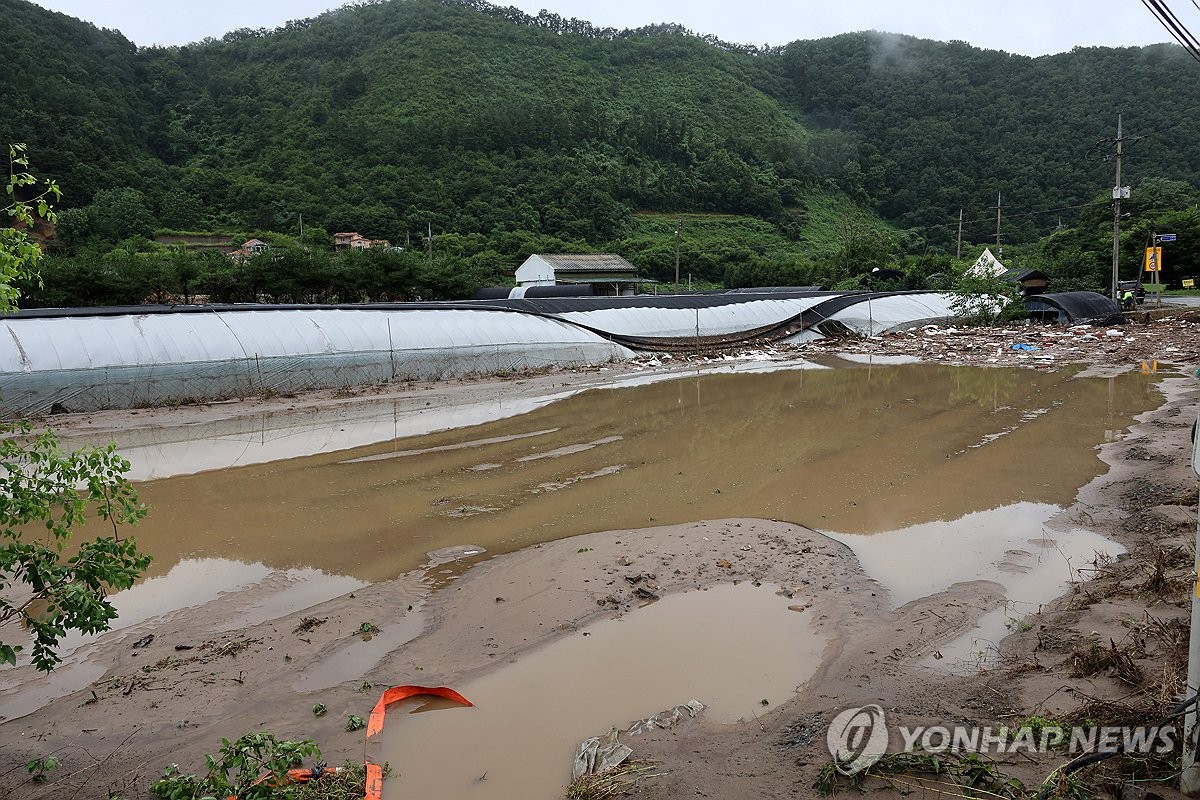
[(668, 718), (605, 752), (598, 754)]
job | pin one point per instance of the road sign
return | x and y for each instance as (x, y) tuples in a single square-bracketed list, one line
[(1166, 237), (1153, 260)]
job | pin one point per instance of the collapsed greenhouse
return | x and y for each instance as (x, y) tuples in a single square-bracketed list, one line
[(111, 358)]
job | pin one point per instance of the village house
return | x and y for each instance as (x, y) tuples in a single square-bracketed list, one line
[(249, 247), (356, 241)]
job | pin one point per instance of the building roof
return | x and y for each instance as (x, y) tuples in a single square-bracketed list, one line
[(623, 277), (1078, 306), (1017, 275), (599, 262)]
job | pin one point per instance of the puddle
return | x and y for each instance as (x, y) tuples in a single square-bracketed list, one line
[(208, 582), (358, 655), (196, 582), (925, 559), (729, 647), (1010, 545)]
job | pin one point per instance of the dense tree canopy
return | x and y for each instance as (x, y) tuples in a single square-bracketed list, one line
[(500, 132)]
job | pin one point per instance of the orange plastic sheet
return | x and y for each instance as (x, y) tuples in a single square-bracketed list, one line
[(299, 776), (374, 789), (395, 694), (398, 693)]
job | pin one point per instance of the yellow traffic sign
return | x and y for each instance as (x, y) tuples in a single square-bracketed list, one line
[(1153, 259)]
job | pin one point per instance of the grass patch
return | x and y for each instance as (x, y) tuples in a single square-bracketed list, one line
[(964, 774), (611, 782)]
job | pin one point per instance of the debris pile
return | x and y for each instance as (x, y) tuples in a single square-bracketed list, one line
[(1170, 340), (1167, 340)]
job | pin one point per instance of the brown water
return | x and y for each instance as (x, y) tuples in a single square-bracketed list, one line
[(853, 451), (1012, 545), (529, 716), (849, 450)]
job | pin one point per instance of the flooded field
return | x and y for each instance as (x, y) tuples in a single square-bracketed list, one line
[(895, 461), (848, 450)]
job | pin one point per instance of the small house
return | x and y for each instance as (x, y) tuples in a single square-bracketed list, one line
[(249, 248), (607, 274), (354, 240)]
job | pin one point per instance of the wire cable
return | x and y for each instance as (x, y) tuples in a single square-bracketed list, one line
[(1178, 31), (1195, 44), (1084, 760)]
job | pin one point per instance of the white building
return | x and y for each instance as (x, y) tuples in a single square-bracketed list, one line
[(608, 274)]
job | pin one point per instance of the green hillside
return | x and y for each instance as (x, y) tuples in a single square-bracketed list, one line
[(505, 134)]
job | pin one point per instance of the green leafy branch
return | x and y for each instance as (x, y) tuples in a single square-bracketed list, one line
[(43, 488), (255, 767), (19, 254)]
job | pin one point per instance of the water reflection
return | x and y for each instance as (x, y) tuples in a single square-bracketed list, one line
[(842, 450)]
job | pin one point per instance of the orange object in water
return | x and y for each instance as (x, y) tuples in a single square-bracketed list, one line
[(398, 693), (374, 788), (374, 785)]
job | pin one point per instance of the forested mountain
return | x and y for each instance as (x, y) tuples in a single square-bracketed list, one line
[(946, 126), (506, 133)]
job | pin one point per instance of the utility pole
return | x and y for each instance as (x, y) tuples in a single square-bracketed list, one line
[(1151, 245), (678, 225), (1119, 193), (1189, 777), (429, 239), (999, 249), (958, 253)]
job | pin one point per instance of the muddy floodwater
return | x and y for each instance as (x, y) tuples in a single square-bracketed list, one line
[(845, 450), (896, 461)]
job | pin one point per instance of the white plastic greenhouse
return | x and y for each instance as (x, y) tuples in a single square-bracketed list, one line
[(89, 359), (83, 363)]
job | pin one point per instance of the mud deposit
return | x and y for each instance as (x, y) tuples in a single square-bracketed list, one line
[(851, 451)]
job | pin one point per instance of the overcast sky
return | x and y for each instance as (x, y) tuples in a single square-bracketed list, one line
[(1032, 27)]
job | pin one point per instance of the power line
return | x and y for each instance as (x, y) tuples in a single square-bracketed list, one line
[(1007, 216), (1177, 29), (1178, 24)]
